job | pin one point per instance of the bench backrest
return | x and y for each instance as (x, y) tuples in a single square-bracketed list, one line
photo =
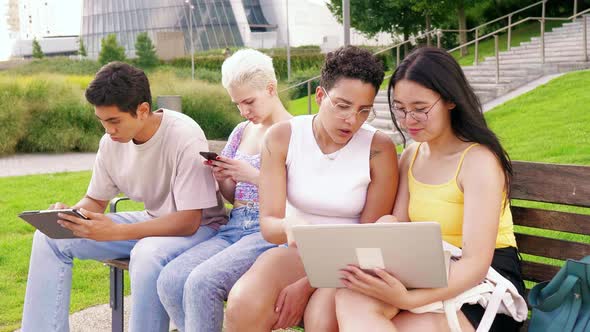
[(550, 183)]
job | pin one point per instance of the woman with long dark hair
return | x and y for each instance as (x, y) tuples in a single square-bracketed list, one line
[(456, 173)]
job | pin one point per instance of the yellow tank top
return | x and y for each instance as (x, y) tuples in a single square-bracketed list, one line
[(444, 203)]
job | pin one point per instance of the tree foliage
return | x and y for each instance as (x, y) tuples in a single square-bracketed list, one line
[(406, 17), (145, 51), (37, 51), (82, 48), (373, 16), (111, 50)]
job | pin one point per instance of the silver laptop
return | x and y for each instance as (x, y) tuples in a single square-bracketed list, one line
[(411, 251)]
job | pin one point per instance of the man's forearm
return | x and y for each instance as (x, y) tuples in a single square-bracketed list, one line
[(91, 204), (181, 223)]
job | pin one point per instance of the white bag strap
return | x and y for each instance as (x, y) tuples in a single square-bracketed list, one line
[(492, 308), (451, 314)]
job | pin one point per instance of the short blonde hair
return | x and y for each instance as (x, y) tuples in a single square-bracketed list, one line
[(248, 66)]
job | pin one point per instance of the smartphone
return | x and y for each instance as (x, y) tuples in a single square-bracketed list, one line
[(79, 214), (209, 155)]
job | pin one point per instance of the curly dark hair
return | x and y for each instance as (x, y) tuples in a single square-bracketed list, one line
[(119, 84), (351, 62)]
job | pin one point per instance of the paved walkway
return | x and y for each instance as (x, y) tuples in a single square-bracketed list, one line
[(41, 163), (27, 164)]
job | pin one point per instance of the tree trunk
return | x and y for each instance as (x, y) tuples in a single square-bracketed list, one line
[(428, 38), (462, 27)]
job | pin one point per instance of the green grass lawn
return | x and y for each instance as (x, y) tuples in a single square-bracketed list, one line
[(91, 279), (550, 123), (299, 106)]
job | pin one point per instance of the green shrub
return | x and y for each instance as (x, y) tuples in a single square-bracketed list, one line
[(208, 104), (37, 51), (201, 74), (302, 76), (62, 65), (145, 51), (110, 50), (68, 126), (48, 113), (59, 118), (299, 62), (82, 48), (12, 116)]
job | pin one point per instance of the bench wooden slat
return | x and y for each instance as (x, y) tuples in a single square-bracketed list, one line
[(122, 263), (554, 220), (538, 272), (553, 183), (552, 248)]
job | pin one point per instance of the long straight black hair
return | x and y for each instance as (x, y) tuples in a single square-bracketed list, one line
[(436, 70)]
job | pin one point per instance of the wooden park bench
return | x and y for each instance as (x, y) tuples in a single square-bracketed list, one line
[(537, 182)]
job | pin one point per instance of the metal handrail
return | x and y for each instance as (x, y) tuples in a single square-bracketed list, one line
[(476, 40), (532, 18), (425, 34), (489, 34), (506, 16)]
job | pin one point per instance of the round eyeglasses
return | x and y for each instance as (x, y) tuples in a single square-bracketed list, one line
[(345, 111), (419, 115)]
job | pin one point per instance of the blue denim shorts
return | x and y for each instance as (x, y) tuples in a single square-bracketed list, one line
[(242, 221)]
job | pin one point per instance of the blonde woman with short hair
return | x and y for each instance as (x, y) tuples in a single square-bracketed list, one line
[(193, 287)]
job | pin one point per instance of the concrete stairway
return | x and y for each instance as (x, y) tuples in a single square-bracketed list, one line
[(564, 51)]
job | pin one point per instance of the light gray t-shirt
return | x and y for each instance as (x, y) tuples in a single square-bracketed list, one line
[(166, 173)]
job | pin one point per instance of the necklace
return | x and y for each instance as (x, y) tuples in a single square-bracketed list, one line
[(329, 156)]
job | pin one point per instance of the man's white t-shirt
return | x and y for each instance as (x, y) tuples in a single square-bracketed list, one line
[(166, 173)]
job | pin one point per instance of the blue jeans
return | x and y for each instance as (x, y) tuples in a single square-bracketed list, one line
[(49, 282), (194, 285)]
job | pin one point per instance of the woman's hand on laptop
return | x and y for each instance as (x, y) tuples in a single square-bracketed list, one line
[(288, 223), (97, 227), (382, 286)]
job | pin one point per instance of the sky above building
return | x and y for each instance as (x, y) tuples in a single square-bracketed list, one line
[(5, 43), (63, 18)]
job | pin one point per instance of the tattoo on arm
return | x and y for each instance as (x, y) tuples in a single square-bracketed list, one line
[(374, 153)]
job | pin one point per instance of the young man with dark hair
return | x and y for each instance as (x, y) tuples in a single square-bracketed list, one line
[(152, 157)]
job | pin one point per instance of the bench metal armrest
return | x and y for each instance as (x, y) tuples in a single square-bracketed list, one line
[(117, 268), (114, 202)]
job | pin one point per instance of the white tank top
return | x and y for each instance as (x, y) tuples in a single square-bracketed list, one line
[(327, 189)]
